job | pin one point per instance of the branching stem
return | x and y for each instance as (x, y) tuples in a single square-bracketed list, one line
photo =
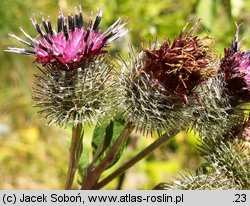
[(161, 140), (93, 174)]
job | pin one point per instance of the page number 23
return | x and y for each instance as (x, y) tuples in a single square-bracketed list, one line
[(240, 198)]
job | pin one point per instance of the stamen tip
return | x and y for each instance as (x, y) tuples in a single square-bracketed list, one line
[(100, 11)]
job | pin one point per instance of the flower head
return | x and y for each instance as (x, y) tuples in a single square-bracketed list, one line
[(75, 84), (235, 65), (149, 107), (72, 43), (156, 83), (180, 66)]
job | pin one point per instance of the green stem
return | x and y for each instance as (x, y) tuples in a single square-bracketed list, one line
[(93, 174), (161, 140), (74, 154)]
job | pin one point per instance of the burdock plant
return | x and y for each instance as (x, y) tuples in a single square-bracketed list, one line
[(223, 123), (160, 90), (74, 84), (158, 81)]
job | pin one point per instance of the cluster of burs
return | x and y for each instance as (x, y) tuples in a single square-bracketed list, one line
[(163, 87)]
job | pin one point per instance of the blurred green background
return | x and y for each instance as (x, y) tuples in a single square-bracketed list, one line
[(34, 156)]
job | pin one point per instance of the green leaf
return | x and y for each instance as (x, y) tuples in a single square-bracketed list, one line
[(83, 164), (104, 136), (118, 128)]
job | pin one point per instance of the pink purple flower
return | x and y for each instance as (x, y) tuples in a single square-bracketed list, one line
[(236, 67), (72, 43)]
